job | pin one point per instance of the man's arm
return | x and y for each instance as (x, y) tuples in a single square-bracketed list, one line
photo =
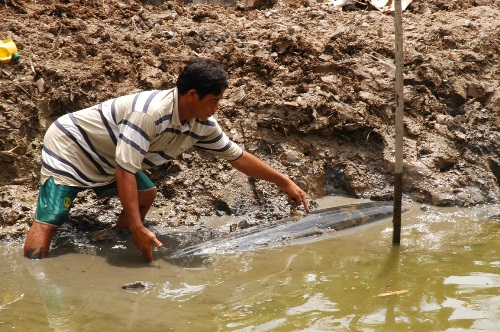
[(129, 197), (256, 168)]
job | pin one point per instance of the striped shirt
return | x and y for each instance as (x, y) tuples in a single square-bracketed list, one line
[(136, 132)]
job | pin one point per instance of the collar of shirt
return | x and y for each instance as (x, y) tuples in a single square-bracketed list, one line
[(176, 122)]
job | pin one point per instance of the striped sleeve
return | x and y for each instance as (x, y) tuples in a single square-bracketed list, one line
[(219, 144), (135, 133)]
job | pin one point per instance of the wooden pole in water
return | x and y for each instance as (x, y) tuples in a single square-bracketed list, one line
[(399, 89)]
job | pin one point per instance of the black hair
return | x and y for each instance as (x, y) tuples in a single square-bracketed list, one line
[(203, 75)]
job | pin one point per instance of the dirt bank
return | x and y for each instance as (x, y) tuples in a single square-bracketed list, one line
[(311, 93)]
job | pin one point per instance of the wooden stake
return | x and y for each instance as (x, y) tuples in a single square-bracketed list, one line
[(399, 89)]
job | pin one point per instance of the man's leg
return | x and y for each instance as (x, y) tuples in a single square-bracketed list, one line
[(146, 199), (52, 210), (147, 194), (38, 241)]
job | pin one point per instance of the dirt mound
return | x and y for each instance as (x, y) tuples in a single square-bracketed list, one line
[(311, 93)]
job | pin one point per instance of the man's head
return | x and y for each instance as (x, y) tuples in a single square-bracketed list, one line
[(204, 76)]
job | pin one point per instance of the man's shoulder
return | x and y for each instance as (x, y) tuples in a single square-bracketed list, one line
[(161, 101)]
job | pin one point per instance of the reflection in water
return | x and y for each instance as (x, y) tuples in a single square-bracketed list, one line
[(184, 293), (475, 304), (444, 277), (315, 303)]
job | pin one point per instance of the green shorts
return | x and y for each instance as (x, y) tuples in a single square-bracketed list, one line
[(56, 200)]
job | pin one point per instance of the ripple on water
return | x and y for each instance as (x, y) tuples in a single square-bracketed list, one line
[(181, 294)]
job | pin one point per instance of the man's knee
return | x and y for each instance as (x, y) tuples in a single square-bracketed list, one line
[(147, 197), (38, 240)]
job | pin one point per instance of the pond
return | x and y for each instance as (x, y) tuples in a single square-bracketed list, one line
[(445, 276)]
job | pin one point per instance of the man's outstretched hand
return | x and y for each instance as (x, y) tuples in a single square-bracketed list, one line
[(296, 196)]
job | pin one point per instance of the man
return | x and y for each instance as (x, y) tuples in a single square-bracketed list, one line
[(106, 147)]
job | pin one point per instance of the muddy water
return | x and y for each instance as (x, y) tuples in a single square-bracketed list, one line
[(444, 277)]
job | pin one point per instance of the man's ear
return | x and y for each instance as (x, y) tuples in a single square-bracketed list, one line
[(192, 94)]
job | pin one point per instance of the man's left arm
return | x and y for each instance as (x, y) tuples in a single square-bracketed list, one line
[(129, 197), (256, 168)]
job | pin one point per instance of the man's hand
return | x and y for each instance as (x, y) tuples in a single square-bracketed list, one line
[(144, 239), (296, 196)]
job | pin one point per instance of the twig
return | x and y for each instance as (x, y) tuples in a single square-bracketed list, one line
[(390, 65), (55, 39), (135, 26), (11, 150), (20, 87)]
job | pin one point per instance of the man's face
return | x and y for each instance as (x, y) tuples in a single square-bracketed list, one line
[(207, 106)]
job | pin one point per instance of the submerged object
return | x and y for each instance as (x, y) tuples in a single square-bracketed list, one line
[(305, 228), (137, 285)]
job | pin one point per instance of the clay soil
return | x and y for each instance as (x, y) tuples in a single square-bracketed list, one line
[(311, 93)]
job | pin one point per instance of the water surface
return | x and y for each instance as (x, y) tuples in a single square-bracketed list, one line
[(445, 276)]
